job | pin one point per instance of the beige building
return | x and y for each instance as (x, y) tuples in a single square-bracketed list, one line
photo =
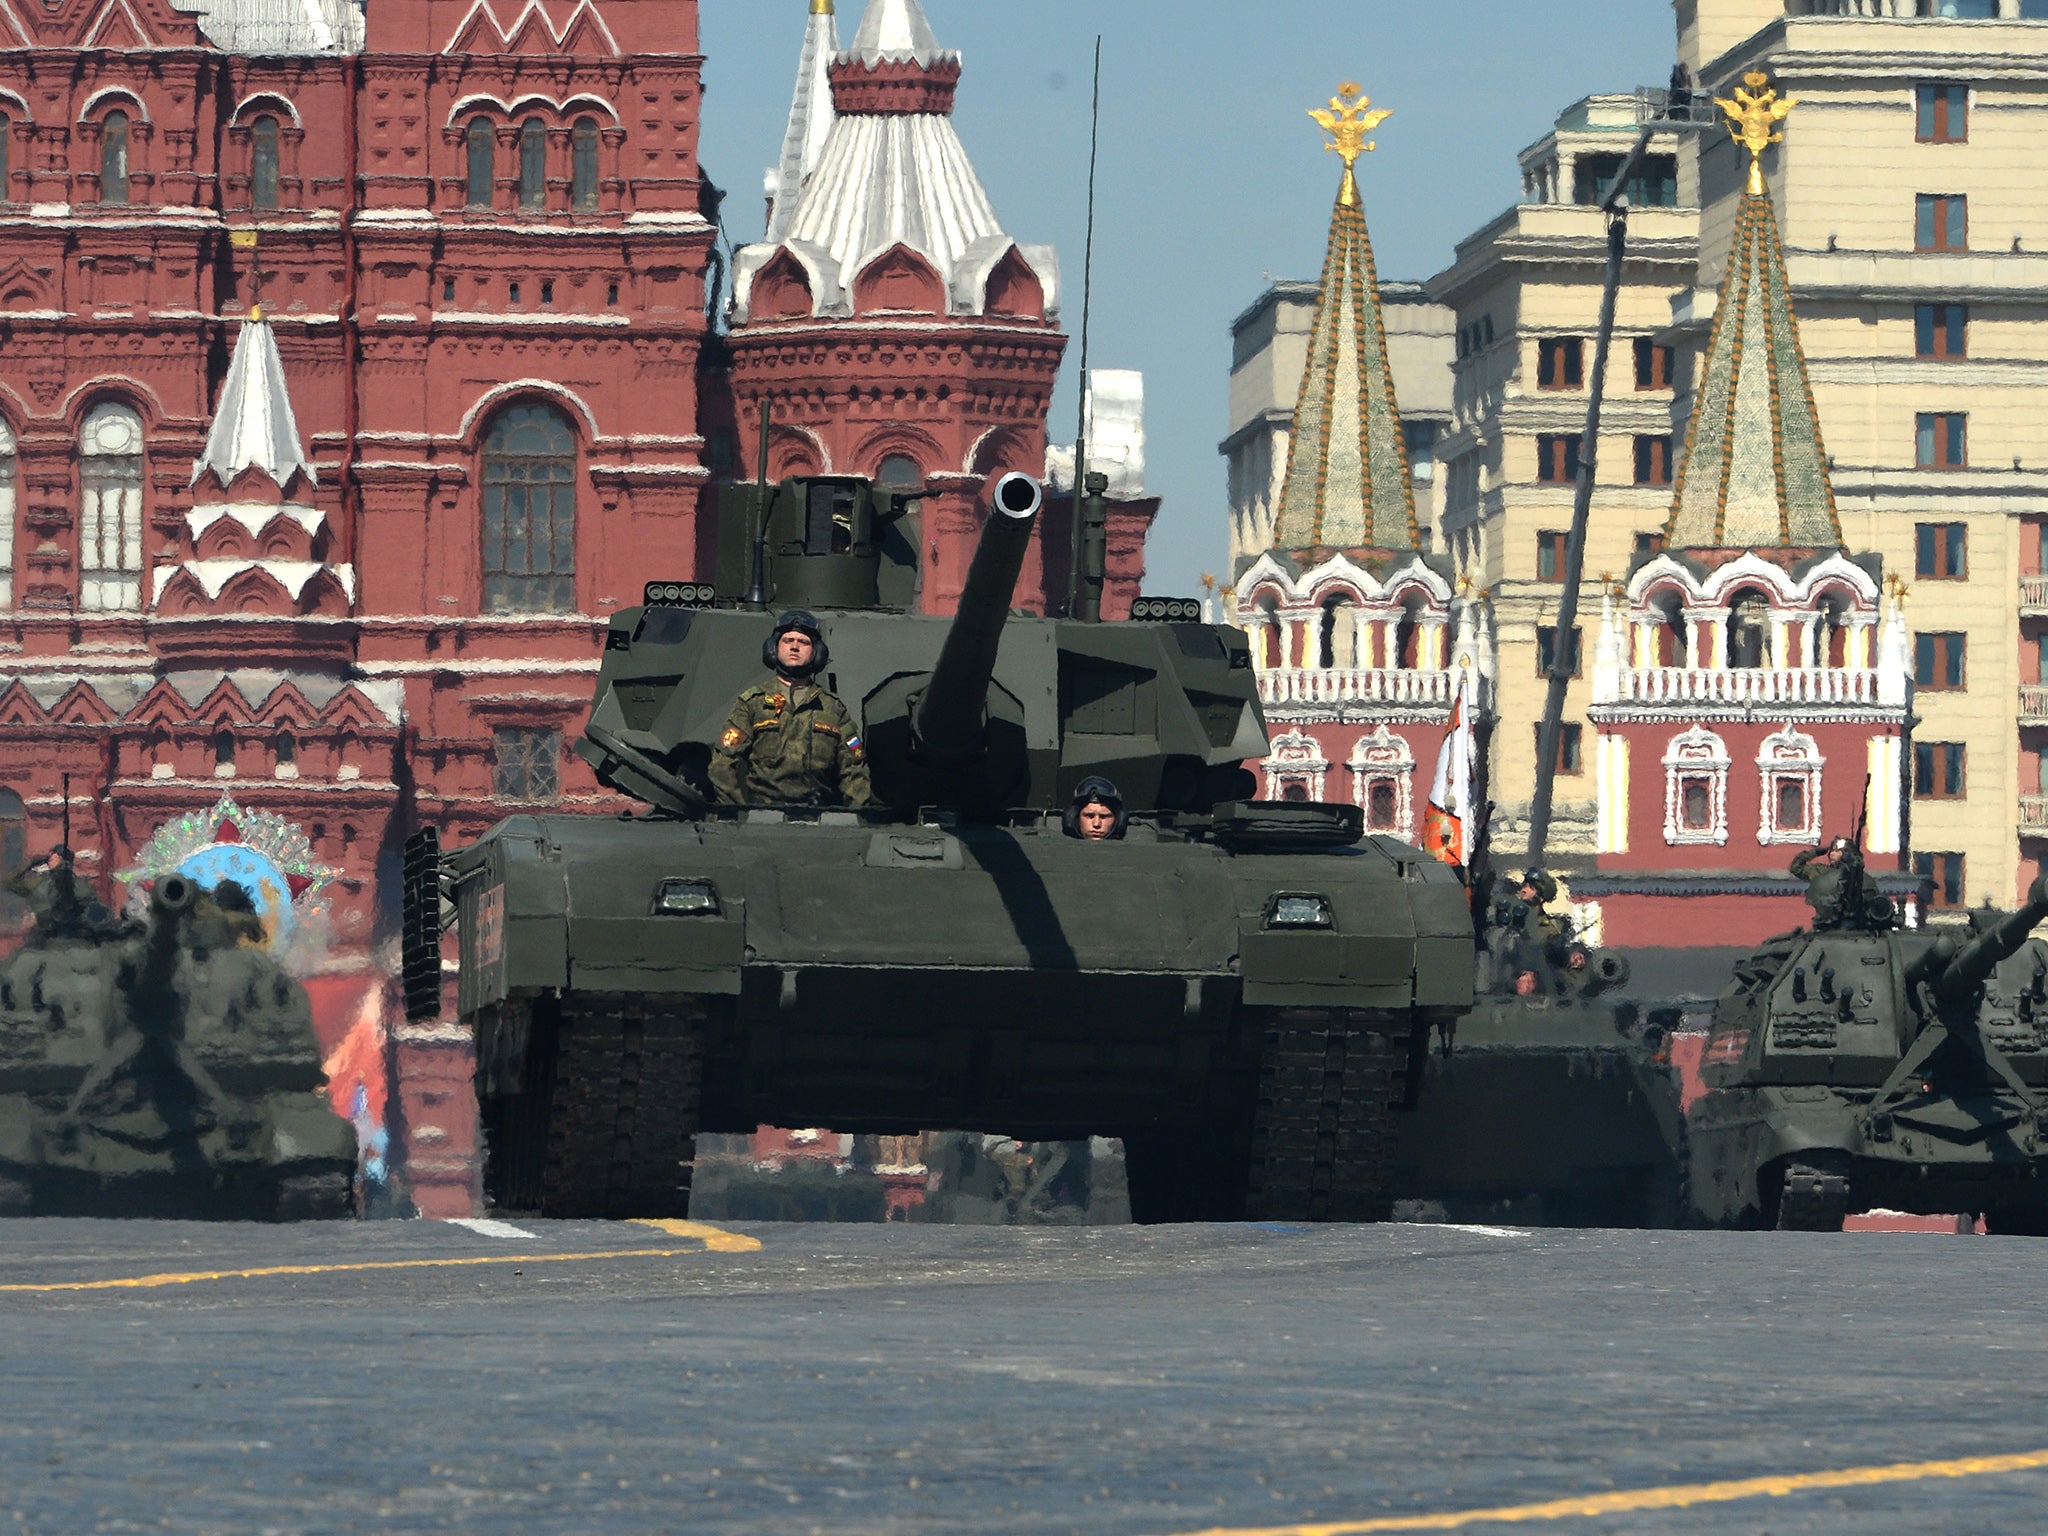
[(1524, 294), (1915, 225)]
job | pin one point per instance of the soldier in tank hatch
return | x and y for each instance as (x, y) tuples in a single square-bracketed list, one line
[(1096, 813), (56, 896), (790, 741)]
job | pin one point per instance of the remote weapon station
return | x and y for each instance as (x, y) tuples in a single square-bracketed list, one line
[(1242, 991)]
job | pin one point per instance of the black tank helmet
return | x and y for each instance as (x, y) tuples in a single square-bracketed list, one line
[(804, 622), (1094, 791)]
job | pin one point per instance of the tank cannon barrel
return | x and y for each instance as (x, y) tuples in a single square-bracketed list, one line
[(1977, 959), (952, 710)]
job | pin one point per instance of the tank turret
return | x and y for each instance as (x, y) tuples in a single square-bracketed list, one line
[(1956, 973)]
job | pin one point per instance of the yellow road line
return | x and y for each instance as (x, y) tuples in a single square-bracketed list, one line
[(710, 1238), (715, 1239), (1680, 1496)]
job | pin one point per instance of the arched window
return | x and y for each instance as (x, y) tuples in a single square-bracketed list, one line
[(1696, 789), (1338, 640), (533, 164), (529, 532), (583, 163), (1831, 633), (483, 147), (6, 516), (1671, 634), (223, 754), (13, 850), (286, 750), (263, 162), (110, 511), (1749, 630), (1408, 637), (114, 158)]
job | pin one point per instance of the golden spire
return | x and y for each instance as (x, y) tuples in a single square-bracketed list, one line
[(1753, 117), (821, 7), (1348, 119)]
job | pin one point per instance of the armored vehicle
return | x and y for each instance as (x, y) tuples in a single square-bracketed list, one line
[(1861, 1064), (1241, 991), (164, 1068), (1556, 1101)]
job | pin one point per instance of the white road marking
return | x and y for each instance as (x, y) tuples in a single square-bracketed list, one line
[(483, 1226)]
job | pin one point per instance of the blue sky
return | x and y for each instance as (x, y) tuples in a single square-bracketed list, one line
[(1211, 182)]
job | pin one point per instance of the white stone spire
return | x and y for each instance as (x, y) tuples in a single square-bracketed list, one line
[(894, 31), (810, 118), (253, 426)]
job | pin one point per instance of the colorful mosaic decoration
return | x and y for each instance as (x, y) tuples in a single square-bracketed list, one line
[(1347, 484), (1755, 474), (271, 857)]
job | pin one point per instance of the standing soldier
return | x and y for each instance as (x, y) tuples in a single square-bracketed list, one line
[(790, 742), (56, 896)]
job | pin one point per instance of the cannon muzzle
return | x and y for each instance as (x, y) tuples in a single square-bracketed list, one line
[(1976, 960), (1605, 973), (953, 708), (172, 896)]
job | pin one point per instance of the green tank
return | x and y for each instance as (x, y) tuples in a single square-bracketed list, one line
[(1556, 1101), (163, 1068), (1862, 1065), (1243, 992)]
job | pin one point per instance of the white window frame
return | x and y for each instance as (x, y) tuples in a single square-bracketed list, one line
[(1789, 754), (1697, 753), (1384, 757), (1296, 758)]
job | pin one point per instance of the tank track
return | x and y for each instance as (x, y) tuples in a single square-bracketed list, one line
[(605, 1123), (1329, 1080), (1812, 1199)]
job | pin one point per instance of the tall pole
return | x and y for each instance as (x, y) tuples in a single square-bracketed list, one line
[(1564, 654), (1087, 285)]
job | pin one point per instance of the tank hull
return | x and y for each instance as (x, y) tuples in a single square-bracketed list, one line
[(887, 978)]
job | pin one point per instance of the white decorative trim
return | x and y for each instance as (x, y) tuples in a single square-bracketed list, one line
[(1611, 792), (1696, 754), (1295, 758), (1789, 754), (1384, 758)]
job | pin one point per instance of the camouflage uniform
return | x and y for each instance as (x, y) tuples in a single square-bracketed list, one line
[(786, 745), (57, 899)]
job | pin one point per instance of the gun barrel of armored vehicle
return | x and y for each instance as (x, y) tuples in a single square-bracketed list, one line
[(1605, 973), (953, 708), (1976, 960), (169, 900)]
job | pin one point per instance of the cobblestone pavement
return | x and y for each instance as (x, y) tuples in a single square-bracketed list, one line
[(591, 1377)]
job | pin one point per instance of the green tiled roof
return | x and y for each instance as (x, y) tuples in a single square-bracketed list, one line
[(1755, 472), (1347, 483)]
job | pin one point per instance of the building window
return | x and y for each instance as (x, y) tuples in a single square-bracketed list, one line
[(482, 168), (1649, 544), (1938, 662), (1941, 440), (114, 158), (1654, 184), (1944, 114), (7, 522), (583, 164), (1561, 362), (1383, 779), (1546, 650), (1550, 551), (223, 754), (263, 162), (285, 749), (1653, 460), (529, 530), (110, 512), (533, 165), (1381, 803), (1942, 222), (1941, 551), (527, 764), (1569, 738), (1557, 458), (1421, 436), (1696, 789), (1966, 10), (1945, 871), (1941, 331), (1654, 364), (1937, 770), (1789, 765)]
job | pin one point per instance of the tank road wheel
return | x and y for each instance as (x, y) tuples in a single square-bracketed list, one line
[(1813, 1198), (623, 1126), (1328, 1083)]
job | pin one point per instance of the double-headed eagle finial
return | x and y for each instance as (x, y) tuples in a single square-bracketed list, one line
[(1349, 117), (1753, 118)]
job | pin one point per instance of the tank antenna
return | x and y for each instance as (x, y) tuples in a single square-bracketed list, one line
[(1087, 290), (757, 585), (67, 810)]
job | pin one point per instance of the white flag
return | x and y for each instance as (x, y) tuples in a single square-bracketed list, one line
[(1447, 830)]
